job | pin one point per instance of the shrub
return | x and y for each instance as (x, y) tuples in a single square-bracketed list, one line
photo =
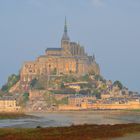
[(118, 83), (36, 84), (12, 80)]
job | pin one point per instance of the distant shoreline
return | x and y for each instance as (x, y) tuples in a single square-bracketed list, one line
[(28, 114), (85, 110), (14, 115)]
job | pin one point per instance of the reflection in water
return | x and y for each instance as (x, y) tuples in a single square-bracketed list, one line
[(68, 118)]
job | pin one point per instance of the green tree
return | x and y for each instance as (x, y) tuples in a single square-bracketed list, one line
[(85, 77), (54, 72), (25, 97), (69, 78), (5, 88), (37, 84), (96, 93), (118, 83), (62, 85), (12, 80), (99, 78)]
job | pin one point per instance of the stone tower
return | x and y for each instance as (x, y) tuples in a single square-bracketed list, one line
[(65, 41)]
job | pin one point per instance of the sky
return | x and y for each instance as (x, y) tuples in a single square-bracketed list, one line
[(108, 28)]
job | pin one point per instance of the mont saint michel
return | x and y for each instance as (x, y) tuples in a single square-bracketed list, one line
[(69, 70), (65, 78), (70, 58)]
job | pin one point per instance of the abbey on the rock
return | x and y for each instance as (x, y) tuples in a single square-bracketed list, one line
[(71, 58)]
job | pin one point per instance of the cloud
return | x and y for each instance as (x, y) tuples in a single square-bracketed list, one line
[(98, 3)]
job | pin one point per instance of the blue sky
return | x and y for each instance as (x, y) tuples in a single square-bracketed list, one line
[(108, 28)]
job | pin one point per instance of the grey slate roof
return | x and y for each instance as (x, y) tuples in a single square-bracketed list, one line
[(53, 49), (7, 98)]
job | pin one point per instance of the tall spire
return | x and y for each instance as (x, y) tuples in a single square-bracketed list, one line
[(65, 34), (65, 27)]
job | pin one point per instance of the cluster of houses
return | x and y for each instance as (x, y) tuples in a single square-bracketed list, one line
[(111, 97), (107, 96), (9, 104)]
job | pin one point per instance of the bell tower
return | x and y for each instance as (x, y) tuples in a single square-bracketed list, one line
[(65, 41)]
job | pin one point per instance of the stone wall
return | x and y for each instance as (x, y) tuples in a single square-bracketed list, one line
[(36, 94), (134, 105)]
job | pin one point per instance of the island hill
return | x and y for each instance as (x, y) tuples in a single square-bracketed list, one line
[(66, 78)]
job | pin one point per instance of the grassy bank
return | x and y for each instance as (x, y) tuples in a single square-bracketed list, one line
[(5, 115), (83, 132)]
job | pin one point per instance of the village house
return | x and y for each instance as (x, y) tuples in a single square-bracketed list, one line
[(8, 104), (77, 100)]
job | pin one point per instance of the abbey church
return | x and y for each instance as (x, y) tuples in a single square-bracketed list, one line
[(70, 58)]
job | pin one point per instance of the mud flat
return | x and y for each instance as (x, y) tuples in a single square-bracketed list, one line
[(79, 132), (135, 136)]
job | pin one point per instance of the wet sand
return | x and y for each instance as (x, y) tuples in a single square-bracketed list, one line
[(56, 119), (135, 136)]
